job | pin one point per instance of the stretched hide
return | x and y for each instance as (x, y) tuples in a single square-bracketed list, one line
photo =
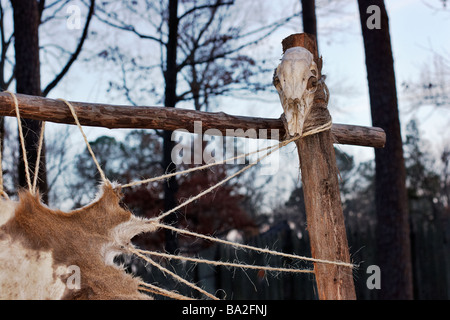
[(50, 254)]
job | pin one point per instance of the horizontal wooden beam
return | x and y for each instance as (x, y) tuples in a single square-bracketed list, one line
[(140, 117)]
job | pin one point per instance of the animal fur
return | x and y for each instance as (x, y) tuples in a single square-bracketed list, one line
[(37, 246)]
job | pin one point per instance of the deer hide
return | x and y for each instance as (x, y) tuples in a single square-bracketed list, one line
[(39, 245)]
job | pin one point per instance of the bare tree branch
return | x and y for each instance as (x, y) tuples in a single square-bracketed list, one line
[(61, 4), (5, 45), (126, 27), (75, 55), (196, 43), (271, 29), (41, 6), (206, 6)]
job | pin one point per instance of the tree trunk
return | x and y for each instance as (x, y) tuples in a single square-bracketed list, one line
[(309, 18), (27, 70), (170, 77), (393, 242)]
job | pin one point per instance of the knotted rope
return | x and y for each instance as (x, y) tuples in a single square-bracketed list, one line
[(75, 117), (32, 187)]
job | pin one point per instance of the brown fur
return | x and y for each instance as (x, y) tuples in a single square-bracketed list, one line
[(77, 238)]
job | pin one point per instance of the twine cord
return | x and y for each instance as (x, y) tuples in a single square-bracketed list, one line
[(174, 275), (220, 263), (32, 187), (144, 286), (36, 168), (206, 166), (210, 189), (326, 126), (246, 246), (75, 117), (22, 142)]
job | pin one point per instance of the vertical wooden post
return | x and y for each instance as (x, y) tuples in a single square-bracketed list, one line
[(325, 219)]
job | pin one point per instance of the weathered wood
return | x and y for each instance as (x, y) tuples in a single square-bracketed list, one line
[(324, 213), (116, 116)]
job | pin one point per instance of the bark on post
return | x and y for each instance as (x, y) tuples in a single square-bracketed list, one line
[(325, 218)]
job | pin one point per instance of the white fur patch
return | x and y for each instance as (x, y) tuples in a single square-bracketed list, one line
[(121, 236), (25, 274), (7, 208)]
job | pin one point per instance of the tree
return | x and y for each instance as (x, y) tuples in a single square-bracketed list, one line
[(445, 158), (6, 40), (309, 17), (28, 81), (432, 88), (200, 58), (422, 181), (27, 73), (428, 217), (170, 99), (393, 244)]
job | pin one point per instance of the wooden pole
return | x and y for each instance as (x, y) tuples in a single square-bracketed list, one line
[(325, 218), (115, 116)]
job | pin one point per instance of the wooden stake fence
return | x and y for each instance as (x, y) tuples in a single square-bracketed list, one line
[(317, 159)]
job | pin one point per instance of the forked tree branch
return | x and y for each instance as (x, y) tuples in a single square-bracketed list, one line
[(127, 27)]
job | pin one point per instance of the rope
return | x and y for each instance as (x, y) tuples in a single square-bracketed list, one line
[(36, 168), (22, 142), (324, 127), (245, 246), (318, 129), (206, 166), (222, 263), (174, 275), (162, 292), (31, 187), (201, 194), (75, 117)]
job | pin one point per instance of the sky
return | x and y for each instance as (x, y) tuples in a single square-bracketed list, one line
[(415, 27), (415, 30)]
